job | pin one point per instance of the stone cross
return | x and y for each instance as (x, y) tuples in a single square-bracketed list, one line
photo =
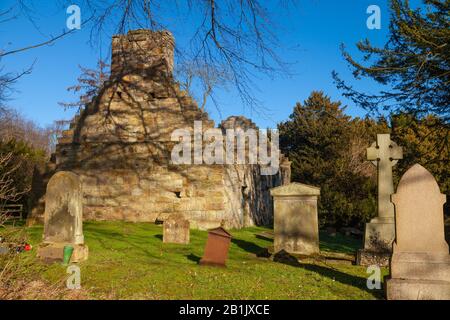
[(384, 153), (380, 231)]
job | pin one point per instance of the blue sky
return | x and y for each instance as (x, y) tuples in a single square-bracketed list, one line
[(310, 35)]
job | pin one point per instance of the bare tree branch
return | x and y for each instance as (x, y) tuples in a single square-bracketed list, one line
[(235, 36), (45, 43)]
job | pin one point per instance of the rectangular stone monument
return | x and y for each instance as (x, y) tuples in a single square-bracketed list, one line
[(420, 264), (217, 246), (176, 230), (63, 219), (4, 249), (296, 226), (380, 231)]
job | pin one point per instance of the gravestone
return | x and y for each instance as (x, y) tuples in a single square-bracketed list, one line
[(380, 231), (4, 249), (420, 264), (63, 218), (296, 227), (216, 249), (139, 180), (176, 230)]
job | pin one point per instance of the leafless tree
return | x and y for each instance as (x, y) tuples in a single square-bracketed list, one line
[(11, 264), (13, 126), (22, 7), (232, 38), (8, 79), (89, 84), (189, 74), (8, 189), (54, 132)]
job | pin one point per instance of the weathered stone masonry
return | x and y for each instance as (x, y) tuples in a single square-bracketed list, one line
[(120, 146)]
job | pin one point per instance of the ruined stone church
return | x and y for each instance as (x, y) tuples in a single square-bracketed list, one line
[(120, 146)]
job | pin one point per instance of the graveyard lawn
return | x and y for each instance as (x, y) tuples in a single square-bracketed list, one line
[(130, 261)]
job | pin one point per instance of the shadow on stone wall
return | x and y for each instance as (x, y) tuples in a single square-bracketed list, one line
[(120, 144)]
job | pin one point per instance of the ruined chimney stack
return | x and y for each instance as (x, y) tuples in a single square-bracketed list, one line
[(143, 52)]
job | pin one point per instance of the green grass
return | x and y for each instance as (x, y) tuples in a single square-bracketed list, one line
[(339, 243), (129, 261)]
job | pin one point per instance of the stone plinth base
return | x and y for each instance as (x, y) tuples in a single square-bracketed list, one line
[(420, 266), (323, 256), (54, 252), (378, 238), (379, 234), (402, 289), (419, 276), (369, 258)]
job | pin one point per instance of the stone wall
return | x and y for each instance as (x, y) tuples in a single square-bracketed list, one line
[(120, 146), (247, 191)]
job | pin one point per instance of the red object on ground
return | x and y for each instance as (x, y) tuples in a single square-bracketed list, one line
[(28, 247), (216, 250)]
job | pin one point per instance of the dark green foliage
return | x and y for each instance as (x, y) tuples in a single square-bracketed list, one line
[(414, 62), (22, 159), (327, 149), (425, 143)]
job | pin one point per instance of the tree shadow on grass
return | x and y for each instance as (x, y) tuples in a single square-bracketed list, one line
[(263, 237), (193, 257), (134, 242), (285, 258), (339, 243), (247, 246), (106, 234), (159, 236), (344, 278), (328, 272)]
